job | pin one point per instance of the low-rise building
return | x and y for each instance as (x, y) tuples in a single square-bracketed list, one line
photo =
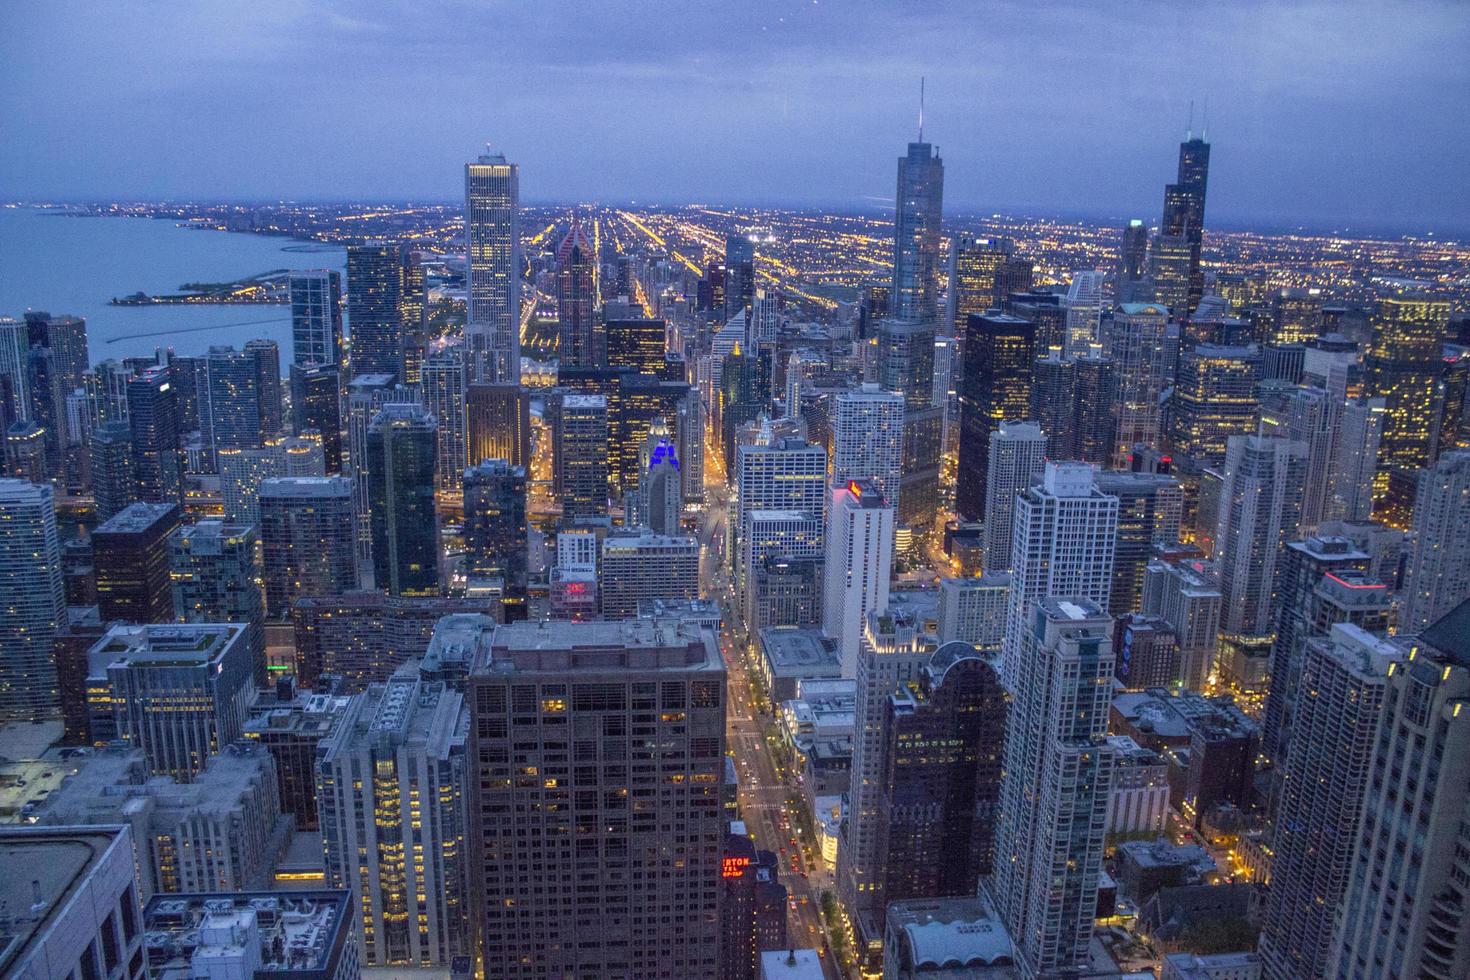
[(303, 935), (947, 939), (791, 654), (1138, 801)]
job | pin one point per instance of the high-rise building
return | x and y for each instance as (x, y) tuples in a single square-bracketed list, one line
[(752, 906), (153, 414), (366, 394), (214, 580), (493, 242), (443, 378), (1345, 677), (131, 550), (497, 423), (642, 567), (739, 275), (1150, 506), (111, 448), (636, 345), (1054, 404), (858, 565), (179, 692), (401, 453), (1437, 576), (495, 523), (237, 399), (1404, 367), (973, 267), (973, 610), (658, 501), (918, 206), (1401, 915), (1132, 256), (1186, 595), (639, 895), (1096, 393), (15, 401), (867, 439), (786, 590), (1015, 460), (580, 338), (316, 317), (1214, 398), (392, 812), (1065, 531), (374, 294), (1084, 304), (581, 456), (1260, 510), (1184, 213), (412, 316), (1058, 769), (306, 537), (1137, 345), (786, 475), (291, 727), (316, 406), (33, 609), (996, 388), (1296, 316), (1355, 460), (66, 338)]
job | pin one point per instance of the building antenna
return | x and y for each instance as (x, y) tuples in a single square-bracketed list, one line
[(1204, 134), (1189, 133), (921, 108)]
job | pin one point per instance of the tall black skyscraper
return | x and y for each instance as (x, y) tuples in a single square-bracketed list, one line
[(495, 522), (374, 300), (1184, 208), (153, 412), (401, 445), (316, 403), (739, 275), (996, 388)]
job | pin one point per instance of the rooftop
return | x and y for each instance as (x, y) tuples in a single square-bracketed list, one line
[(306, 486), (165, 645), (276, 931), (137, 517), (636, 644), (950, 933), (796, 964), (794, 651), (1450, 635)]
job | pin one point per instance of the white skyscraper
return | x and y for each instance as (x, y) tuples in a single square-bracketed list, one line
[(32, 601), (1355, 460), (787, 475), (867, 439), (859, 561), (1017, 458), (1260, 510), (1058, 769), (492, 227), (1084, 304), (1065, 533), (444, 379), (1437, 578)]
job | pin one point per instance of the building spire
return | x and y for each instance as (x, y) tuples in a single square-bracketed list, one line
[(921, 108), (1189, 131)]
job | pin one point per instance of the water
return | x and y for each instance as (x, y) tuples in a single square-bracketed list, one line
[(75, 265)]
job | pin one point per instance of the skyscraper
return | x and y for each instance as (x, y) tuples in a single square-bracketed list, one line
[(581, 457), (739, 275), (498, 423), (1132, 256), (786, 475), (639, 895), (867, 439), (1437, 576), (1186, 595), (636, 344), (113, 487), (1016, 458), (236, 403), (1084, 305), (401, 447), (996, 388), (316, 317), (1096, 393), (316, 404), (1136, 344), (1058, 770), (919, 205), (214, 580), (859, 563), (1150, 506), (495, 522), (658, 501), (1260, 510), (1054, 404), (1214, 398), (374, 294), (306, 537), (153, 414), (493, 243), (641, 567), (443, 378), (1184, 211), (973, 265), (580, 338), (131, 554), (32, 601), (412, 315)]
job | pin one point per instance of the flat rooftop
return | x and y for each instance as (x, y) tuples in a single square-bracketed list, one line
[(636, 644), (794, 651), (296, 930), (39, 871), (165, 645), (136, 517)]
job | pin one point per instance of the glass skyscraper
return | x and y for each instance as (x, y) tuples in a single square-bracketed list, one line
[(402, 448), (493, 239)]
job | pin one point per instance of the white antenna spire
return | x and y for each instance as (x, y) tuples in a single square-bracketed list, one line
[(921, 108), (1204, 133), (1189, 133)]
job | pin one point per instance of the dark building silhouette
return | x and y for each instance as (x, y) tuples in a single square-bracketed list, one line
[(996, 387), (131, 554)]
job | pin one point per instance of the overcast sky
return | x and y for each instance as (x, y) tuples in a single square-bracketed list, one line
[(1328, 113)]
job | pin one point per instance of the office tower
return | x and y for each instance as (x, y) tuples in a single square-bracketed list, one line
[(401, 447), (1058, 769), (443, 381), (33, 609), (769, 534), (495, 523), (1015, 460), (918, 205), (1136, 344), (366, 394), (637, 345), (743, 395), (578, 331), (765, 318), (1132, 257), (316, 406), (131, 550), (939, 785), (1260, 509), (658, 501), (1354, 461), (1096, 393), (179, 692), (1324, 581), (412, 315), (601, 908), (867, 439), (641, 567), (1296, 316), (1065, 530), (493, 244), (498, 423), (752, 906), (243, 406), (892, 652), (786, 591), (1401, 915), (1054, 404), (87, 920), (396, 838), (1344, 680), (1214, 399), (66, 338), (362, 636), (1150, 506), (1184, 213), (973, 610), (996, 388), (1403, 367), (316, 317), (112, 468), (14, 344), (153, 414), (374, 294), (1169, 261), (291, 727), (689, 427), (306, 537), (1186, 595), (973, 267), (1084, 305), (1437, 576), (581, 457), (739, 275), (858, 565), (214, 580), (1147, 653), (786, 475)]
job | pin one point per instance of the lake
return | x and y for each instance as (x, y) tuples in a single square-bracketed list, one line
[(63, 264)]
